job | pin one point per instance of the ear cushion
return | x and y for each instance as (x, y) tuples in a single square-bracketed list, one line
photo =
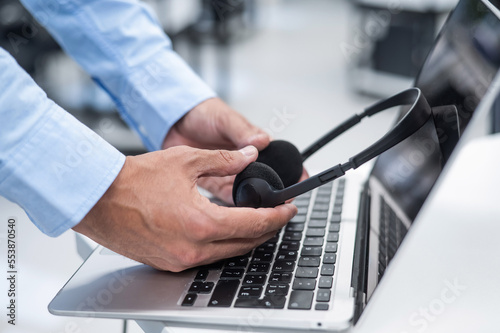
[(258, 170), (285, 159)]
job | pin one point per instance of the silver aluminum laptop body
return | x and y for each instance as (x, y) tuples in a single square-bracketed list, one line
[(459, 71)]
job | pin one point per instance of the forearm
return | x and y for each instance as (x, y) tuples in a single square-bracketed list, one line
[(50, 164), (121, 45)]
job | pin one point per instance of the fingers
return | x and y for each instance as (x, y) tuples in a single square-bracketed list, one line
[(221, 187), (235, 247), (248, 223), (222, 163), (205, 254), (241, 132)]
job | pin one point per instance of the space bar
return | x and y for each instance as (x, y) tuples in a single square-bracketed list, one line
[(270, 302)]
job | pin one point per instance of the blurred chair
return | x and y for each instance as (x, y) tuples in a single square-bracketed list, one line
[(391, 41)]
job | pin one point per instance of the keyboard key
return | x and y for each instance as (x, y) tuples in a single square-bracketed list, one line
[(285, 277), (201, 275), (224, 293), (266, 247), (269, 302), (286, 255), (246, 292), (331, 247), (315, 232), (283, 266), (213, 266), (309, 261), (304, 284), (306, 272), (295, 227), (321, 306), (337, 209), (201, 287), (322, 199), (313, 241), (334, 227), (262, 257), (254, 279), (321, 206), (319, 215), (237, 262), (327, 270), (189, 300), (293, 245), (317, 223), (258, 268), (332, 237), (292, 236), (335, 218), (302, 202), (325, 187), (275, 238), (311, 251), (330, 258), (298, 219), (323, 295), (325, 282), (302, 210), (277, 289), (301, 299), (232, 273)]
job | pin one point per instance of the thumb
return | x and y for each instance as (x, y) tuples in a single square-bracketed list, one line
[(224, 162)]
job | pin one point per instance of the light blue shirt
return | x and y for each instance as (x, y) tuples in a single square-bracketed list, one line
[(52, 165)]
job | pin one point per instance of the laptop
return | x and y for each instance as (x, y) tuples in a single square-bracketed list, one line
[(319, 272)]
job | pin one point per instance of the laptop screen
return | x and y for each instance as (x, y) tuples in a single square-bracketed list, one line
[(458, 71)]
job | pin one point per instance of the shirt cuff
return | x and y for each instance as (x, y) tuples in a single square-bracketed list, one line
[(59, 172)]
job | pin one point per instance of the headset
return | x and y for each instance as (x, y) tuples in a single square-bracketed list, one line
[(272, 179)]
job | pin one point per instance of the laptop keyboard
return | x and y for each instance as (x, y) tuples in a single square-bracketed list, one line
[(295, 269), (392, 233)]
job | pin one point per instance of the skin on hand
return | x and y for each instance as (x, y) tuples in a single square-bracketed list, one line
[(153, 212), (214, 125)]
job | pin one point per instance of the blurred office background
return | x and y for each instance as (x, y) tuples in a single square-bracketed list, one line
[(293, 67)]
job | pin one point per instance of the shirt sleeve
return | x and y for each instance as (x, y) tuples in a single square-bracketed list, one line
[(123, 47), (52, 165)]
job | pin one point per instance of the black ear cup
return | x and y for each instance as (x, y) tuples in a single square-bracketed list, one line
[(256, 170), (285, 159)]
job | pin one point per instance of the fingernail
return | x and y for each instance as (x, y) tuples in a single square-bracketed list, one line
[(249, 151)]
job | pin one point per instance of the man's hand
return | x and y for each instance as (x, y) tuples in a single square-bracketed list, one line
[(214, 125), (153, 212)]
